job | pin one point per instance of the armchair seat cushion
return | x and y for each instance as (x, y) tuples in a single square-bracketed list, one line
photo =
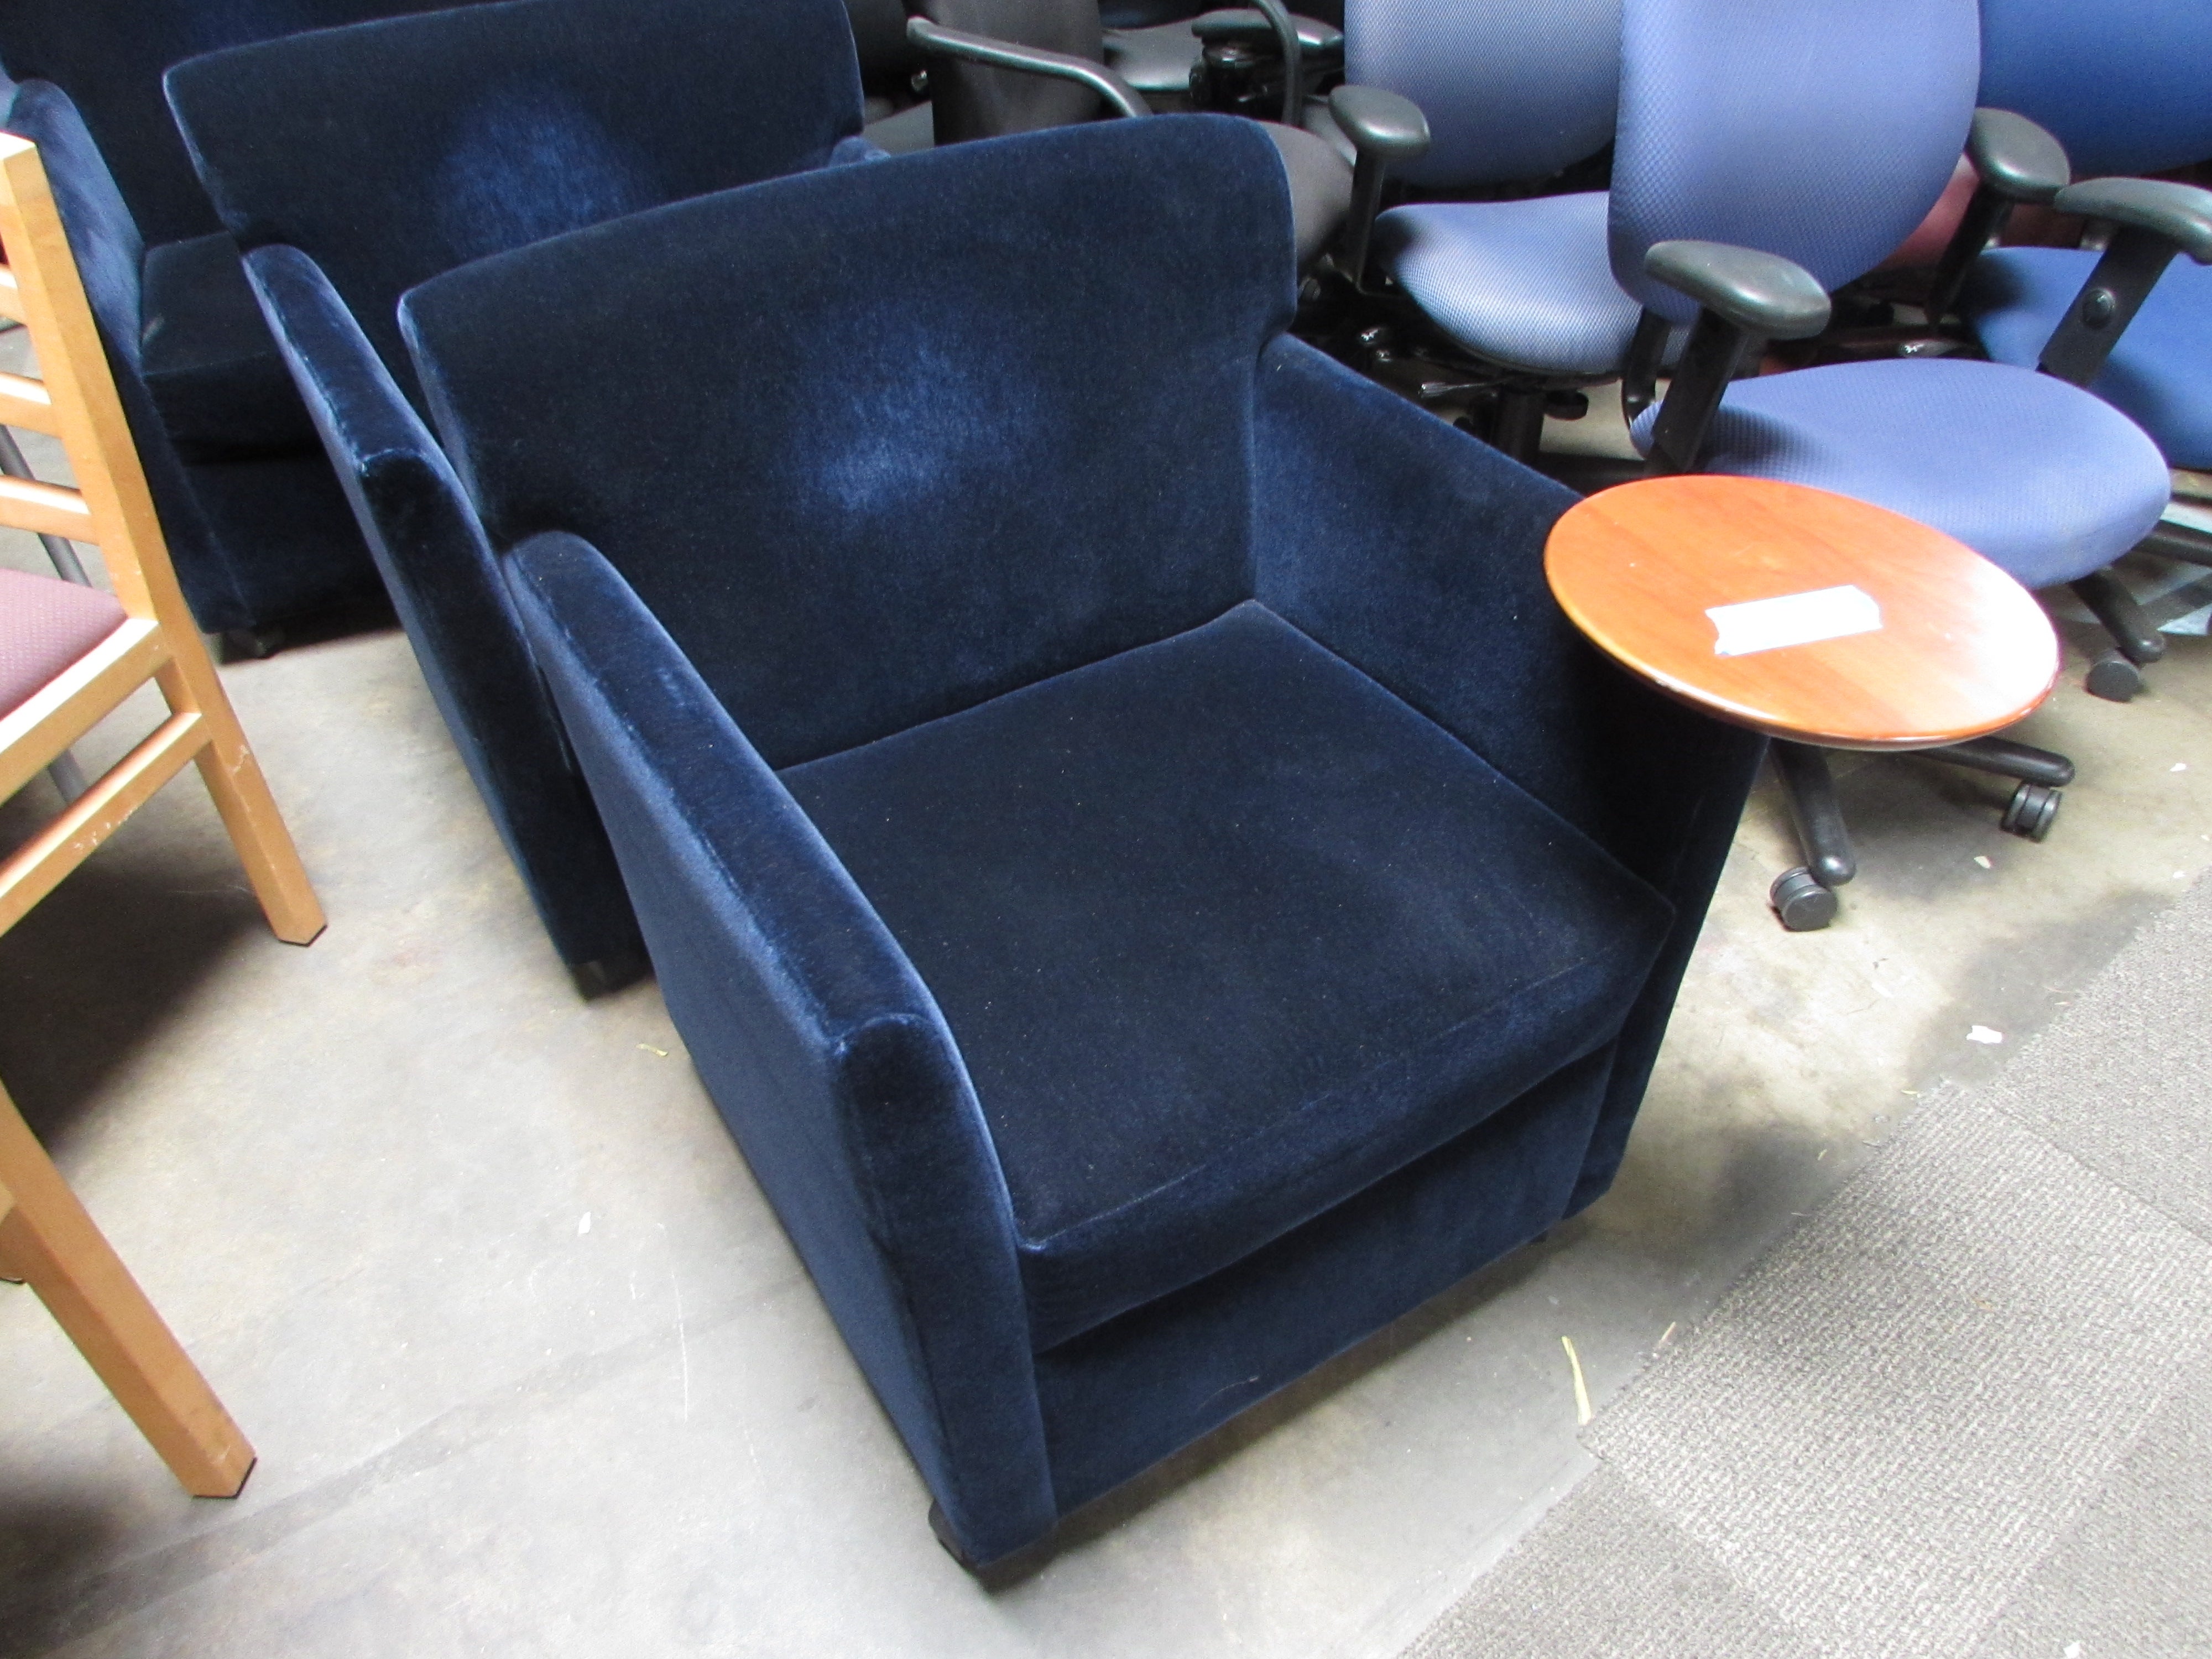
[(2034, 477), (2160, 373), (46, 624), (1225, 932), (209, 361), (1528, 282)]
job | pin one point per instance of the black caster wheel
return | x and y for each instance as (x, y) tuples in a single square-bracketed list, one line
[(2114, 678), (2031, 811), (1802, 902)]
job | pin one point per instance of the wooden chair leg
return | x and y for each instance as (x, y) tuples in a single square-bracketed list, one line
[(249, 810), (48, 1238)]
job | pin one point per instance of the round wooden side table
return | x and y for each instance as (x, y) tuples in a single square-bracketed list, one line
[(1823, 622)]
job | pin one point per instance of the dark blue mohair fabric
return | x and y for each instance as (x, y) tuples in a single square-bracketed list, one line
[(1153, 883), (398, 149), (1224, 932), (355, 162), (823, 1050), (985, 391), (445, 582), (1419, 559), (108, 56), (255, 524)]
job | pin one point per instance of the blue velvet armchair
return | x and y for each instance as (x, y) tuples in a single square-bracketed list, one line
[(258, 527), (463, 133), (1143, 939)]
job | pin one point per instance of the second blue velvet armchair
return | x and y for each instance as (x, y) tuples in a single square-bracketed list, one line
[(1143, 939)]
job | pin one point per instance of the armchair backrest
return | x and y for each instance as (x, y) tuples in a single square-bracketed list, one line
[(396, 149), (1821, 131), (965, 448), (2126, 85), (1511, 92), (108, 56)]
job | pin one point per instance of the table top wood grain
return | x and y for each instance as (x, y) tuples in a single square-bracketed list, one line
[(1962, 650)]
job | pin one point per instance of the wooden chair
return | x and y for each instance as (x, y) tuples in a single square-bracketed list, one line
[(45, 1237)]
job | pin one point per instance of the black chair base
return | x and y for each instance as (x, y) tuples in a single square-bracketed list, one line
[(1803, 898)]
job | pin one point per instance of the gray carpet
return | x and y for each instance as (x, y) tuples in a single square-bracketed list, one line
[(1966, 1410)]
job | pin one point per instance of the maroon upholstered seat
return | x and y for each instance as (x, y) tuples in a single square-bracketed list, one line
[(46, 624)]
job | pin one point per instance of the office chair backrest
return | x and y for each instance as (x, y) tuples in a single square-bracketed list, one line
[(948, 450), (970, 102), (2126, 85), (1822, 130), (1511, 91), (396, 149), (108, 56)]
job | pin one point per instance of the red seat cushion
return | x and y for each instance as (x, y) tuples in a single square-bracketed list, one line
[(46, 624)]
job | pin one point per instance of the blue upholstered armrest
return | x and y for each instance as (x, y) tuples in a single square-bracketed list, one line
[(816, 1039), (1418, 555), (444, 580)]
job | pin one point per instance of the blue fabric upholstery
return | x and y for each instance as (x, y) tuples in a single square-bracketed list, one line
[(2160, 373), (1433, 942), (465, 133), (257, 528), (446, 586), (108, 55), (1527, 284), (1813, 129), (1510, 91), (469, 132), (1245, 791), (213, 371), (1822, 130), (2024, 469), (2122, 85)]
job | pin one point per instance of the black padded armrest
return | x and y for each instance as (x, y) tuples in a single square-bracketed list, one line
[(2017, 158), (1744, 297), (1768, 296), (1249, 26), (940, 42), (1387, 129), (1384, 124), (2181, 214)]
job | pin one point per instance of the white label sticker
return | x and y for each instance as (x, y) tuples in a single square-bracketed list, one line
[(1830, 613)]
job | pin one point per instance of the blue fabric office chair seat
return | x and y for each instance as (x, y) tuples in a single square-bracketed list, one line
[(1310, 937), (1528, 284), (2161, 368), (213, 369), (2027, 471)]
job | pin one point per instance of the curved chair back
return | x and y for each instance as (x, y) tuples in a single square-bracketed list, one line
[(2126, 85), (108, 56), (884, 482), (467, 132), (1511, 92), (1822, 130)]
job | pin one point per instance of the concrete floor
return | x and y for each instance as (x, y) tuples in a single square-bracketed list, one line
[(532, 1368)]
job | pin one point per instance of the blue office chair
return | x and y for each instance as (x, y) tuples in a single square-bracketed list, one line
[(258, 528), (1761, 158), (2123, 88), (1143, 941), (463, 133)]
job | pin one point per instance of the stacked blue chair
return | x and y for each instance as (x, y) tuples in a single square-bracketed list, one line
[(1143, 941), (465, 133), (258, 528), (2123, 87), (1760, 159)]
